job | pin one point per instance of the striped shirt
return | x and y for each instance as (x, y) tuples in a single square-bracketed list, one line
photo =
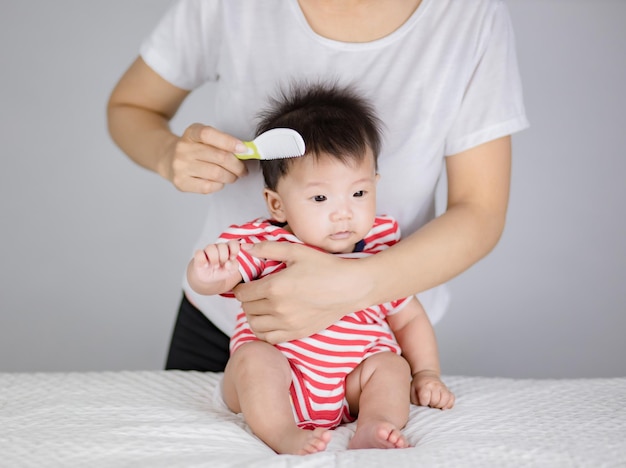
[(321, 362)]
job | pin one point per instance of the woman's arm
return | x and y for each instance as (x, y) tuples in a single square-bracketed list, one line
[(317, 289), (478, 195), (139, 111)]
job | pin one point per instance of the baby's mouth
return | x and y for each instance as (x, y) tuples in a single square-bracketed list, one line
[(341, 235)]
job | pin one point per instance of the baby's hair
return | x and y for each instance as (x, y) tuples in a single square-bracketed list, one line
[(332, 120)]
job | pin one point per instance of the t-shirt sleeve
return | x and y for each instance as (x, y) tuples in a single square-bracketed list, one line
[(396, 306), (384, 234), (492, 105), (184, 47)]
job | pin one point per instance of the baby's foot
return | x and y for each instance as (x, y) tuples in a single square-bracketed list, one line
[(304, 442), (377, 434)]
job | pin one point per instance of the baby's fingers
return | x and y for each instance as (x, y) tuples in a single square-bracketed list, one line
[(442, 398), (222, 254), (234, 247), (200, 259), (424, 396), (217, 254), (447, 399)]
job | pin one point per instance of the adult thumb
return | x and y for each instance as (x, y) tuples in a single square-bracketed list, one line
[(285, 252)]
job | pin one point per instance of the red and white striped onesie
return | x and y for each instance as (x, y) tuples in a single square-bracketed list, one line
[(321, 362)]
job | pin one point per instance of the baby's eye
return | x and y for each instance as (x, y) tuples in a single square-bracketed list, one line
[(358, 194), (319, 198)]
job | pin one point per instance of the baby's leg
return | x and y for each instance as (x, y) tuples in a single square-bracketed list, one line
[(379, 391), (256, 383)]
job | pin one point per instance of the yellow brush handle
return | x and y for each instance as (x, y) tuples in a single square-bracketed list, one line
[(252, 153)]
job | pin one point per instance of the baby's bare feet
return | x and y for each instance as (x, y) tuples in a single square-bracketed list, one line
[(377, 434), (303, 442)]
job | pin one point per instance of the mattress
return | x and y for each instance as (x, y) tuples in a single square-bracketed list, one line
[(176, 419)]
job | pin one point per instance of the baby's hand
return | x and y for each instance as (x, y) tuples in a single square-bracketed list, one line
[(427, 389), (216, 262)]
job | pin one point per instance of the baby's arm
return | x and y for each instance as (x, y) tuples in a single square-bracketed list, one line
[(416, 337), (215, 269)]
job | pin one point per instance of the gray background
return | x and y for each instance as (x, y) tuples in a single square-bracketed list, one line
[(92, 247)]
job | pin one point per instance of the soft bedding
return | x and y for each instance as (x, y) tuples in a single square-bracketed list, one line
[(176, 419)]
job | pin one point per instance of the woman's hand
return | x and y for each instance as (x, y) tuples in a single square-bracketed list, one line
[(139, 111), (202, 160), (314, 291)]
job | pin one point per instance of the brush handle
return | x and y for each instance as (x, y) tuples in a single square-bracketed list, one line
[(252, 153)]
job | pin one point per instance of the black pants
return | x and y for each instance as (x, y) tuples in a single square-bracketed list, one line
[(196, 343)]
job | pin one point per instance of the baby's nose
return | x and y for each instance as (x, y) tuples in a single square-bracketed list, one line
[(341, 213)]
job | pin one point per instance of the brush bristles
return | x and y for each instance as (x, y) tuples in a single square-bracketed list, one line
[(282, 148), (280, 143)]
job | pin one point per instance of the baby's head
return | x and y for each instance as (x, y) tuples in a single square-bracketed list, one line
[(328, 196), (334, 122)]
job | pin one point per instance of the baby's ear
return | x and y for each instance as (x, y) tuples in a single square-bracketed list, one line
[(274, 205), (377, 177)]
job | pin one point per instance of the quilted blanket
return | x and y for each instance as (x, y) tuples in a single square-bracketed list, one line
[(176, 419)]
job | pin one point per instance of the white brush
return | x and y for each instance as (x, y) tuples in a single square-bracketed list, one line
[(274, 144)]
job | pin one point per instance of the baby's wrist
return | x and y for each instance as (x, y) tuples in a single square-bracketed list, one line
[(429, 372)]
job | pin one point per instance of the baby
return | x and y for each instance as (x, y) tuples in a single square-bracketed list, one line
[(372, 363)]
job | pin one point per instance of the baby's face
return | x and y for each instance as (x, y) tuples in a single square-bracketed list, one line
[(328, 204)]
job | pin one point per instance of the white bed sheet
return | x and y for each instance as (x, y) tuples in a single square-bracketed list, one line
[(174, 419)]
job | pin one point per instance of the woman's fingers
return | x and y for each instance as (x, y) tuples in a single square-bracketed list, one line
[(203, 160)]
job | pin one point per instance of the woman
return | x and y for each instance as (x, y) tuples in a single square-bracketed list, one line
[(443, 77)]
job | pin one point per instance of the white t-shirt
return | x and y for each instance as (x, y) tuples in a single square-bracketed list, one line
[(445, 81)]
